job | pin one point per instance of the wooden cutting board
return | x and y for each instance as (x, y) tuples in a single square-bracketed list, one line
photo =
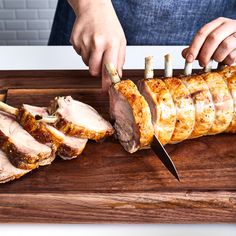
[(108, 185)]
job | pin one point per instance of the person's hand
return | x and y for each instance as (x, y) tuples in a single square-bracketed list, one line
[(215, 40), (98, 36)]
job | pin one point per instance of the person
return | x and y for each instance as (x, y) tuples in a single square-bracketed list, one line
[(99, 30)]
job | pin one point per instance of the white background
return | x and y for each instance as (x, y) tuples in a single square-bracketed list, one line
[(118, 230)]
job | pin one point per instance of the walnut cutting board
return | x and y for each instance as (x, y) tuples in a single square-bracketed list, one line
[(108, 185)]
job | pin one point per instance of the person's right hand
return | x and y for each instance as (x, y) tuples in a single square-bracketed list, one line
[(98, 37)]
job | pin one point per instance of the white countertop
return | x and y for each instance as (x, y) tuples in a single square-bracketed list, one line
[(44, 57), (118, 230), (64, 57)]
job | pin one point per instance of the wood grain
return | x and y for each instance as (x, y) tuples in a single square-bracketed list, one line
[(108, 185), (136, 207)]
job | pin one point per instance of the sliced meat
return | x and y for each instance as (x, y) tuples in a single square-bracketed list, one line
[(41, 131), (64, 146), (71, 147), (9, 172), (222, 100), (132, 116), (185, 111), (21, 148), (162, 107), (79, 119), (204, 106)]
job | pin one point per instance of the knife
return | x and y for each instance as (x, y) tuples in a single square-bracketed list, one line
[(166, 160)]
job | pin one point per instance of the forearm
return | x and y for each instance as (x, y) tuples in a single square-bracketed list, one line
[(82, 5)]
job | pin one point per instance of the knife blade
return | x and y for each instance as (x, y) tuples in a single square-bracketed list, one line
[(160, 151)]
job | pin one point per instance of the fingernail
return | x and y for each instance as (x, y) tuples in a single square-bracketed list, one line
[(189, 58), (201, 64)]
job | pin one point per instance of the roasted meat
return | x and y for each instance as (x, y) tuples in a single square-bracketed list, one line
[(78, 119), (21, 148), (223, 102), (9, 172), (204, 106), (41, 131), (185, 111), (181, 107), (63, 145), (132, 116), (162, 107), (71, 147), (229, 74)]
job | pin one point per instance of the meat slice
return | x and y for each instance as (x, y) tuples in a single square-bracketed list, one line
[(71, 147), (9, 172), (204, 106), (21, 148), (162, 107), (222, 100), (64, 146), (79, 119), (41, 131), (229, 74), (132, 116), (185, 111)]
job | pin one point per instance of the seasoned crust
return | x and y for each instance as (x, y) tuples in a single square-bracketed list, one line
[(40, 132), (68, 151), (21, 148), (231, 81), (9, 172), (140, 109), (19, 159), (74, 130), (162, 107), (37, 129), (222, 100), (185, 111), (228, 71), (204, 106)]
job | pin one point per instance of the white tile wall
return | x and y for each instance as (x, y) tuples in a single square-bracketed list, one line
[(26, 22)]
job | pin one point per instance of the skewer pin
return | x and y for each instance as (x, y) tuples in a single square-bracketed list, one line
[(208, 68), (148, 73), (168, 65), (113, 74), (188, 68)]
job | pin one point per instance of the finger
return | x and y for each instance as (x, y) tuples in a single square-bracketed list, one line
[(184, 52), (85, 56), (110, 55), (121, 58), (95, 62), (225, 48), (213, 41), (231, 58), (77, 49), (74, 33), (200, 38)]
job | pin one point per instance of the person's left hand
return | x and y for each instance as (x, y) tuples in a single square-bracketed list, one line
[(215, 40)]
